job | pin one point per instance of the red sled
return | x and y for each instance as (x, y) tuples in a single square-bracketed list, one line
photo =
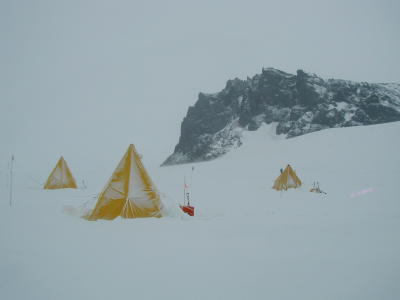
[(188, 209)]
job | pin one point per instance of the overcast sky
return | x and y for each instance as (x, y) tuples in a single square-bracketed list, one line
[(87, 78)]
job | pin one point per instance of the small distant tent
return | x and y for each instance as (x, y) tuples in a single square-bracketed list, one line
[(287, 179), (61, 177), (129, 193)]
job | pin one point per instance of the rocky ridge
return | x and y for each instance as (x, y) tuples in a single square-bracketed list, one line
[(299, 104)]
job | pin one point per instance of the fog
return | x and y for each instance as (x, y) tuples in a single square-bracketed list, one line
[(91, 77)]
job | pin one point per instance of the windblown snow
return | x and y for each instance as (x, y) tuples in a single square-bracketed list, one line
[(246, 241)]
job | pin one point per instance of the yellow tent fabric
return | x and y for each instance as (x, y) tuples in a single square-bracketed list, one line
[(287, 179), (129, 193), (61, 177)]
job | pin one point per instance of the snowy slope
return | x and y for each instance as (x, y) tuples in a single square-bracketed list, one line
[(247, 240)]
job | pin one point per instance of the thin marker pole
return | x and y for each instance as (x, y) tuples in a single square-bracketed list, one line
[(11, 179), (184, 189)]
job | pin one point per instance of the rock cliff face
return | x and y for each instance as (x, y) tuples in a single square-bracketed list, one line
[(300, 104)]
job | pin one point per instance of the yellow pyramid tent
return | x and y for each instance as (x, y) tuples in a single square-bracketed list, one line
[(287, 179), (129, 193), (61, 177)]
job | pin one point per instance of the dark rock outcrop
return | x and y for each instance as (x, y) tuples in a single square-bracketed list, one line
[(299, 104)]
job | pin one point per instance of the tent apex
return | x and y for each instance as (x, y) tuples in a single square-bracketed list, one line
[(132, 148)]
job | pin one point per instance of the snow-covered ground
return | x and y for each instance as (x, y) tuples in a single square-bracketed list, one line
[(247, 241)]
